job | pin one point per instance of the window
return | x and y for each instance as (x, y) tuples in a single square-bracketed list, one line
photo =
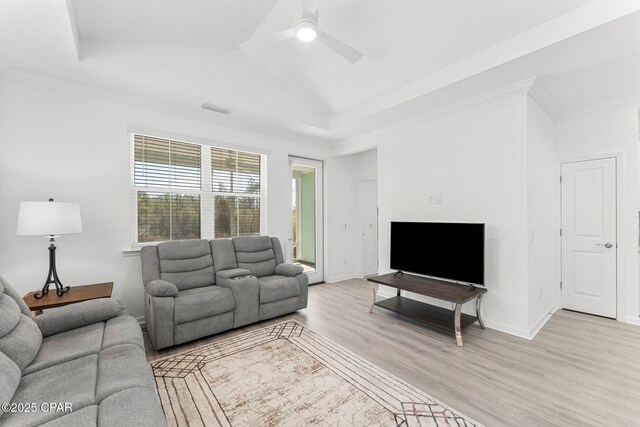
[(175, 198), (236, 187)]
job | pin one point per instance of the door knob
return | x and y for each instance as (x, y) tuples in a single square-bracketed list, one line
[(606, 245)]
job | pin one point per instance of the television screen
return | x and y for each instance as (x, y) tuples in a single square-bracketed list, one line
[(453, 251)]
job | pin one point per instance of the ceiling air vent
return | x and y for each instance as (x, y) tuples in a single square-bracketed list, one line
[(216, 108)]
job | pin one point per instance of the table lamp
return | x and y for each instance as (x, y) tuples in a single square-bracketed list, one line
[(50, 219)]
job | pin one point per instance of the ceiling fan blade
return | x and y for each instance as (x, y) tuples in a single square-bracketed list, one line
[(269, 38), (341, 48)]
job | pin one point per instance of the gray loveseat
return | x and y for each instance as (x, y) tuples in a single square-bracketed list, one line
[(89, 356), (196, 288)]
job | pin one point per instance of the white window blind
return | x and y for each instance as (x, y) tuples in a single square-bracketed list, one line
[(172, 200), (237, 186)]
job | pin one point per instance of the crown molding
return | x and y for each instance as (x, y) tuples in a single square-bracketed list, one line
[(354, 144), (81, 89), (540, 95), (601, 106)]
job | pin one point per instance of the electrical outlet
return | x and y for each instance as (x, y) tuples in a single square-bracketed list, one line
[(431, 199), (346, 260), (439, 198)]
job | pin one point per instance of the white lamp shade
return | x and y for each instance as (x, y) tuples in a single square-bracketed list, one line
[(48, 218)]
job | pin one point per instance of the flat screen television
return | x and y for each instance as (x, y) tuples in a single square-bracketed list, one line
[(447, 250)]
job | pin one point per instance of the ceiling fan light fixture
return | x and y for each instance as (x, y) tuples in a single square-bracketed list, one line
[(306, 30)]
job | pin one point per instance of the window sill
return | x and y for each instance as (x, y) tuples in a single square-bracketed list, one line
[(131, 252)]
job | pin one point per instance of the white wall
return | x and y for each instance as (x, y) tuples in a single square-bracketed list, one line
[(477, 158), (543, 215), (75, 147), (605, 132)]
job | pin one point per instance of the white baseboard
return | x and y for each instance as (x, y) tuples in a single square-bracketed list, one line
[(543, 320), (500, 327), (339, 278), (634, 320)]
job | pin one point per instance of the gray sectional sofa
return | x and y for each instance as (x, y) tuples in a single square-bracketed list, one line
[(196, 288), (89, 356)]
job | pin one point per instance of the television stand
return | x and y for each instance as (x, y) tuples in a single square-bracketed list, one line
[(433, 316)]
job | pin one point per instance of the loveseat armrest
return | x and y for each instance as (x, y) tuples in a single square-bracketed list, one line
[(233, 273), (289, 270), (161, 288), (78, 315)]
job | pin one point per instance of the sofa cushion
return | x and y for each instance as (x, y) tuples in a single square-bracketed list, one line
[(275, 288), (22, 343), (193, 304), (255, 253), (9, 379), (132, 407), (122, 330), (7, 289), (86, 416), (9, 314), (73, 382), (122, 367), (20, 338), (67, 346), (186, 263)]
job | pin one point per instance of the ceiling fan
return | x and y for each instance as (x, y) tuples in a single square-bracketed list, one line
[(306, 30)]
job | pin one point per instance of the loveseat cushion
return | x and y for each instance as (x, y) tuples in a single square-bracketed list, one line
[(186, 263), (255, 253), (197, 303), (275, 288)]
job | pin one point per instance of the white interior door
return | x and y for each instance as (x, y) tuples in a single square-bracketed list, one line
[(306, 232), (589, 247), (368, 213)]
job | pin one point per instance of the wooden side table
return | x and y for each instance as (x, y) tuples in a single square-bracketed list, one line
[(74, 295)]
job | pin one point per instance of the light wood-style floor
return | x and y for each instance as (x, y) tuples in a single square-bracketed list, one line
[(579, 370)]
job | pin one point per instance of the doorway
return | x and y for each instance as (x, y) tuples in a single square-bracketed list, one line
[(589, 236), (368, 219), (306, 241)]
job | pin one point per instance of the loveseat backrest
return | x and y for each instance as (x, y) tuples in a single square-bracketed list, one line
[(224, 254), (185, 263), (20, 337), (257, 254)]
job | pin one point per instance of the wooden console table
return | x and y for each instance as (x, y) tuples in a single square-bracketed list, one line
[(74, 295), (438, 317)]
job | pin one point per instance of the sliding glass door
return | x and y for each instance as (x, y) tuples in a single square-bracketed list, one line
[(306, 231)]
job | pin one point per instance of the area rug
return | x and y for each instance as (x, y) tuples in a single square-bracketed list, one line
[(286, 375)]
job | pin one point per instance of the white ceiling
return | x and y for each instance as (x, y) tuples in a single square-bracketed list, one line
[(418, 54)]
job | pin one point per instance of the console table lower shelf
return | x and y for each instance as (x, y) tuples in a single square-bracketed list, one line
[(442, 319)]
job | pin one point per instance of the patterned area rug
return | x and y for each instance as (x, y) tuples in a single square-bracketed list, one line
[(286, 375)]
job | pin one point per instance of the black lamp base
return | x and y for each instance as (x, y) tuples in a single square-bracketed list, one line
[(52, 277)]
